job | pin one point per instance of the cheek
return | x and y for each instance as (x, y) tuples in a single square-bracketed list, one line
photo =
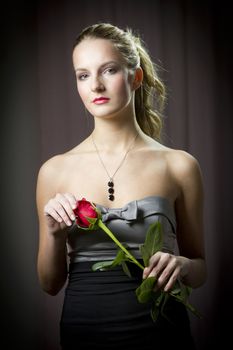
[(81, 91), (122, 86)]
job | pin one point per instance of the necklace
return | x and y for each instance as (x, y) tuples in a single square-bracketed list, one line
[(111, 190)]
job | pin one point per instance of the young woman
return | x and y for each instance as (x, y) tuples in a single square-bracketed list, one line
[(134, 180)]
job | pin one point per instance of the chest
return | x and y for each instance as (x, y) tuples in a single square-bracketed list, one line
[(136, 178)]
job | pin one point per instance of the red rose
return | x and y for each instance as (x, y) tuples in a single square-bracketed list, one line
[(86, 214), (88, 217)]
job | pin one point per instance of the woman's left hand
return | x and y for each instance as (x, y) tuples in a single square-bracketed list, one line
[(166, 268)]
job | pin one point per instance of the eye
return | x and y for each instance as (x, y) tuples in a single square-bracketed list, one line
[(82, 76), (110, 70)]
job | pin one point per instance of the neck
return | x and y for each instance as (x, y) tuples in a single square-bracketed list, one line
[(114, 135), (115, 138)]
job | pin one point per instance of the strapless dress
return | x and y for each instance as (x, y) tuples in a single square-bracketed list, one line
[(129, 224), (100, 309)]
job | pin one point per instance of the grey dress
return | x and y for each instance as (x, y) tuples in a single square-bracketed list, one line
[(100, 309), (129, 224)]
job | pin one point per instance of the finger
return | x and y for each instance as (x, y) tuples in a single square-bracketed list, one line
[(56, 206), (64, 200), (145, 272), (72, 199), (51, 212), (166, 273), (56, 222), (152, 263), (172, 280), (163, 261)]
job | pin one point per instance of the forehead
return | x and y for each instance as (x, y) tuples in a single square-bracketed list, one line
[(95, 52)]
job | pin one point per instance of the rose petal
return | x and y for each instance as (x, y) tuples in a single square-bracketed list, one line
[(83, 210)]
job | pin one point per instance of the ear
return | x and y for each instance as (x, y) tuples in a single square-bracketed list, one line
[(138, 78)]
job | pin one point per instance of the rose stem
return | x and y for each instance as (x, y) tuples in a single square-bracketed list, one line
[(105, 228)]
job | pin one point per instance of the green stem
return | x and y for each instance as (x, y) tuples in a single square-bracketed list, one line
[(111, 235)]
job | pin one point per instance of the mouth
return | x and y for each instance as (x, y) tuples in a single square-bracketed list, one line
[(101, 100)]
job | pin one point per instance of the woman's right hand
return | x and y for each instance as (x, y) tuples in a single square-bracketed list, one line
[(59, 212)]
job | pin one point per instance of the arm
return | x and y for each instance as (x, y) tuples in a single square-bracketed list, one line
[(190, 227), (190, 264), (55, 215)]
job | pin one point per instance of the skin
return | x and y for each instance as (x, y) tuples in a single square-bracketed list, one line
[(169, 173)]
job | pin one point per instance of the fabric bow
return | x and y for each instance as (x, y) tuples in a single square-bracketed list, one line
[(128, 213)]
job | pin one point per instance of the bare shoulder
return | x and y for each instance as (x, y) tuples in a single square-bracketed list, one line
[(49, 175), (60, 162), (181, 162), (185, 169), (52, 166), (58, 168)]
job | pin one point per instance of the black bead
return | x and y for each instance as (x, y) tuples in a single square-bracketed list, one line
[(111, 197), (110, 184), (111, 190)]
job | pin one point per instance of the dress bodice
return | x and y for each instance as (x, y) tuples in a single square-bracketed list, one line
[(129, 224)]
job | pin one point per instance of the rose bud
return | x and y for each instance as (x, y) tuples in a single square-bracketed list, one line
[(86, 214)]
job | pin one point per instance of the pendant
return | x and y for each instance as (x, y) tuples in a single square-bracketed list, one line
[(111, 196)]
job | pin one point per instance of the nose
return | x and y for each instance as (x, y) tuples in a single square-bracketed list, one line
[(97, 84)]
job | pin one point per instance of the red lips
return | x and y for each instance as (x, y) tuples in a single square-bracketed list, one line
[(101, 100)]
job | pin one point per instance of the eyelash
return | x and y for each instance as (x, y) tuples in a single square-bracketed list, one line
[(110, 70)]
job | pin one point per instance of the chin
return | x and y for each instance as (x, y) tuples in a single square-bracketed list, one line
[(106, 116), (110, 113)]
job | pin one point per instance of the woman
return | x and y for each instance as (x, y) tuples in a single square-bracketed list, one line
[(122, 167)]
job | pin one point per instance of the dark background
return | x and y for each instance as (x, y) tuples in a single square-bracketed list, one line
[(41, 115)]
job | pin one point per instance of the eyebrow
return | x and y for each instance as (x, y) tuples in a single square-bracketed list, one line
[(102, 65)]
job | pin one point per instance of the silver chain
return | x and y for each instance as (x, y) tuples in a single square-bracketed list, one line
[(122, 161)]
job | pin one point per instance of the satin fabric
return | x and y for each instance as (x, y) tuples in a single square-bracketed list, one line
[(129, 224)]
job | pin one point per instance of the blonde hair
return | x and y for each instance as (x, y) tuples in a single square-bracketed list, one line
[(150, 96)]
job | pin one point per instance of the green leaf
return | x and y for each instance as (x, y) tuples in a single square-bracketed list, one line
[(102, 265), (185, 292), (146, 290), (182, 297), (93, 223), (166, 296), (155, 310), (126, 269), (119, 260), (176, 289), (121, 256), (181, 292), (193, 310), (91, 220), (153, 242), (159, 298), (156, 306)]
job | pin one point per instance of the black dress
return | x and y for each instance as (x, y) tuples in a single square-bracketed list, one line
[(101, 310)]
